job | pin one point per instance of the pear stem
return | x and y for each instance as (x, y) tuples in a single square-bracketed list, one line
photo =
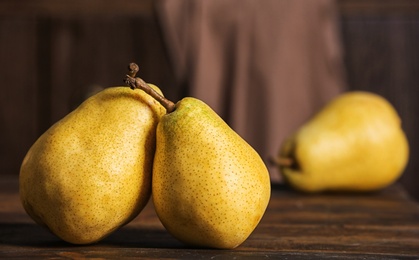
[(283, 161), (136, 82), (133, 69)]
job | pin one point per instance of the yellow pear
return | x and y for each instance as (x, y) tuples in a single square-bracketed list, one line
[(90, 173), (210, 188), (355, 143)]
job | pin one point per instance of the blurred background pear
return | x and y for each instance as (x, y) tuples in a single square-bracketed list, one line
[(355, 143)]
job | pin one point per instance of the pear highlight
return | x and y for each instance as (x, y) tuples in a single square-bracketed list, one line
[(355, 143), (90, 173), (210, 188)]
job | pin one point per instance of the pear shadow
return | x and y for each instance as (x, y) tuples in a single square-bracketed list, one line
[(141, 237), (28, 235), (286, 189)]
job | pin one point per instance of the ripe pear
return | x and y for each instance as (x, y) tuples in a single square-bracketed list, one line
[(210, 187), (355, 143), (90, 173)]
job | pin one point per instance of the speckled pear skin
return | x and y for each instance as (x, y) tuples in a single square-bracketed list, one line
[(90, 173), (210, 187)]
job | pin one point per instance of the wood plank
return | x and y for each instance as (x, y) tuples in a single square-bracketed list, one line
[(62, 8), (19, 96), (381, 225), (381, 7), (50, 64)]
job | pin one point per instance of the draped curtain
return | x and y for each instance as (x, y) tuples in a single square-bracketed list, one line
[(264, 66)]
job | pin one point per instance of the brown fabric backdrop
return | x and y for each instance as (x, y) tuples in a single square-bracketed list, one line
[(264, 66)]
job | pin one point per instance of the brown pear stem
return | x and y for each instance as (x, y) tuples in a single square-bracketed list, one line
[(283, 161), (133, 69), (136, 82)]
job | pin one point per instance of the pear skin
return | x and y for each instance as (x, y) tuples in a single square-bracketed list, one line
[(90, 173), (355, 143), (210, 187)]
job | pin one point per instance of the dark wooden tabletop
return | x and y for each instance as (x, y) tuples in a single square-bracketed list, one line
[(383, 225)]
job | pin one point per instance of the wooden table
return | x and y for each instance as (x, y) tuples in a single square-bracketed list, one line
[(382, 225)]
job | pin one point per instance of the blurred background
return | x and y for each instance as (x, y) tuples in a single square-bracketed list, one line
[(264, 66)]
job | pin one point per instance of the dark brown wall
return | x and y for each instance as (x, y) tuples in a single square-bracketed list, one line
[(52, 53)]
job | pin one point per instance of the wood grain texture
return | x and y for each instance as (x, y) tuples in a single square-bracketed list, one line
[(74, 7), (50, 63), (383, 225)]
